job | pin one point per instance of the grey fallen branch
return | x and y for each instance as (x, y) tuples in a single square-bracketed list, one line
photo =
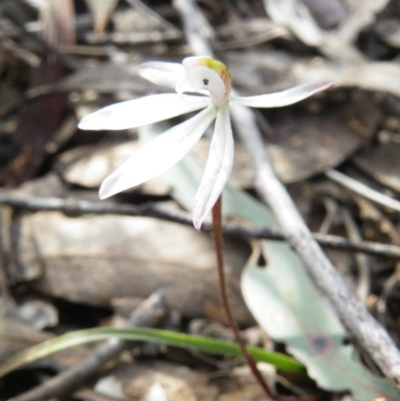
[(148, 314), (76, 207), (367, 332)]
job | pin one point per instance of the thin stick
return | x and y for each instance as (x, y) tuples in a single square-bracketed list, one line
[(81, 207), (363, 190), (217, 219)]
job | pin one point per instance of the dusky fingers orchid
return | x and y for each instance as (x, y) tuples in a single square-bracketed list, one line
[(201, 75)]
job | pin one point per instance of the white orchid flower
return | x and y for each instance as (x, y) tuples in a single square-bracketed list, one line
[(201, 75)]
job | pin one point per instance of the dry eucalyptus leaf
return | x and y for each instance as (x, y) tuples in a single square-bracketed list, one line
[(308, 144), (381, 162), (95, 259)]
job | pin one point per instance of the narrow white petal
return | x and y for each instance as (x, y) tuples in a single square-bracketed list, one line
[(286, 97), (142, 111), (158, 155), (162, 73), (218, 168)]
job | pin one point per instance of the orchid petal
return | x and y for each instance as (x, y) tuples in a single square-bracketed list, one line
[(284, 98), (142, 111), (217, 170), (162, 73), (158, 155)]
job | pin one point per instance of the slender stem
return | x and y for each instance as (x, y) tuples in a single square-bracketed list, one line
[(217, 222)]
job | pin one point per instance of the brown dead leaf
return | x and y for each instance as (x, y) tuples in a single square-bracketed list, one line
[(93, 260), (381, 162)]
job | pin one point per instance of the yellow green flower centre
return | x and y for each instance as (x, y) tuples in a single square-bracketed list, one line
[(222, 70)]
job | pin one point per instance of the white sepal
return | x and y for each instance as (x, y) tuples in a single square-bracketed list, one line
[(162, 73), (142, 111), (158, 155), (284, 98), (218, 168)]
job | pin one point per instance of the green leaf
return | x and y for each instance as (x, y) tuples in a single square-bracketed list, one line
[(204, 344)]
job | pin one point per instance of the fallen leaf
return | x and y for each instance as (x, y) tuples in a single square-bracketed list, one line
[(382, 163)]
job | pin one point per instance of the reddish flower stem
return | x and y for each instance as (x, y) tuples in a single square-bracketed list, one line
[(217, 223)]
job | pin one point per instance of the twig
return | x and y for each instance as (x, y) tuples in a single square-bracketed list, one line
[(78, 207), (363, 288), (390, 284), (132, 37), (217, 220), (363, 190), (197, 31), (368, 333), (147, 314)]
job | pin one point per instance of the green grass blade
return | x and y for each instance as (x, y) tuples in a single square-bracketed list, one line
[(218, 347)]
